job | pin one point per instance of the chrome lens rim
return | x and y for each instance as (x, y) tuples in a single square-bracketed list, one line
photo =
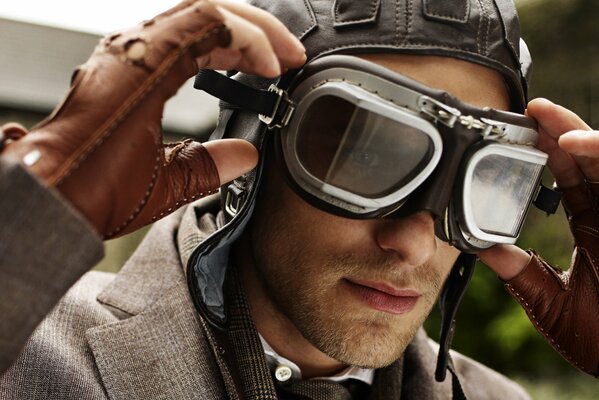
[(369, 101), (518, 152)]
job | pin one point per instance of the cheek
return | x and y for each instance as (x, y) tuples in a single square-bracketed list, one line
[(444, 258), (316, 230)]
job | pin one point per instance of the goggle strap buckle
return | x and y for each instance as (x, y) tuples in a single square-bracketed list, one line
[(439, 111), (282, 110), (234, 199), (272, 106), (449, 116), (547, 199)]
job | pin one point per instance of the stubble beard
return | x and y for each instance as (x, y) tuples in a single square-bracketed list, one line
[(302, 285)]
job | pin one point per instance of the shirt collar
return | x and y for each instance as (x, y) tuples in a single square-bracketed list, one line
[(281, 366)]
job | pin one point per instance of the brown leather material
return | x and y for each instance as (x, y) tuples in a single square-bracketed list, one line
[(10, 132), (563, 305), (102, 148)]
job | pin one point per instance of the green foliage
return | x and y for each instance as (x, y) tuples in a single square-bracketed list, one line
[(563, 39)]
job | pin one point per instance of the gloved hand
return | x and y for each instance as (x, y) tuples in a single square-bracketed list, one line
[(563, 306), (102, 148)]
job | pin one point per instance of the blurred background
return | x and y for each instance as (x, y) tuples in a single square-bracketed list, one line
[(41, 42)]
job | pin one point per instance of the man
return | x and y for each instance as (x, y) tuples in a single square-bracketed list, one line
[(283, 291)]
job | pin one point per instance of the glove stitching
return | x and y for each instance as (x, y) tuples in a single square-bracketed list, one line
[(182, 202), (592, 261), (533, 318), (565, 278), (178, 147), (134, 100), (130, 105), (143, 202), (587, 229)]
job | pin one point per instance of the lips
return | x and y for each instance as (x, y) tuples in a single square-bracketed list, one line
[(383, 297)]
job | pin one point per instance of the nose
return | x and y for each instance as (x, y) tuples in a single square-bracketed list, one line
[(412, 238)]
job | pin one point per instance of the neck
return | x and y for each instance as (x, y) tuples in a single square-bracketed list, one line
[(278, 330)]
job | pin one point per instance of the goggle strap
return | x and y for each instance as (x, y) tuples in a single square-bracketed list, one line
[(547, 199), (240, 95), (451, 296)]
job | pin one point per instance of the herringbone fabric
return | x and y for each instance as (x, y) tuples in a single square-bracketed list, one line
[(314, 390), (255, 375)]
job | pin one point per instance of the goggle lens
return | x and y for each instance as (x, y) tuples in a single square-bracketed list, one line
[(501, 191), (357, 150)]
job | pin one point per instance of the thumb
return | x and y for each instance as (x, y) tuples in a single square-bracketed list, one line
[(232, 157), (506, 261), (191, 171)]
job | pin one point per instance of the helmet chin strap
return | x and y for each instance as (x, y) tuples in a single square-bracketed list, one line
[(451, 296)]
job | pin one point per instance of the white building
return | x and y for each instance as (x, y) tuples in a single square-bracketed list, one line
[(36, 63)]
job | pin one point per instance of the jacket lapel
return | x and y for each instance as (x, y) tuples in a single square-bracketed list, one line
[(419, 381), (159, 350), (160, 353)]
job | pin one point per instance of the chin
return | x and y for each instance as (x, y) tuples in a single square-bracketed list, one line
[(365, 344), (370, 354)]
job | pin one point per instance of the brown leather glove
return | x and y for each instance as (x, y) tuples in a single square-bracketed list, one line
[(102, 147), (562, 305)]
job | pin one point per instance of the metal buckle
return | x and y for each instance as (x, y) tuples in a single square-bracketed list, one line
[(439, 111), (282, 100), (487, 127), (449, 116), (494, 128), (234, 199)]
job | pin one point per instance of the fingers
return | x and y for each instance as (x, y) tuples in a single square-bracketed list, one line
[(567, 162), (287, 47), (584, 147), (253, 44), (553, 118), (191, 171), (232, 157), (506, 261), (192, 168), (260, 43), (580, 143)]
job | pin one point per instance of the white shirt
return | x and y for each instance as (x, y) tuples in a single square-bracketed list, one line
[(285, 369)]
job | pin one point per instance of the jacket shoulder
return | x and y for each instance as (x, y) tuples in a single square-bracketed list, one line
[(56, 361)]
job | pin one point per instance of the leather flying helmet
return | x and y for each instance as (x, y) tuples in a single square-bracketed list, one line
[(484, 32)]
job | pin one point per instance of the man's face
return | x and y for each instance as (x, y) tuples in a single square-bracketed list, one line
[(358, 290)]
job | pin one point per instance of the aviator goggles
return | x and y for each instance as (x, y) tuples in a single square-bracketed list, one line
[(361, 141)]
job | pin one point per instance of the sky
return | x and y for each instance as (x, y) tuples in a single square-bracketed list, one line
[(99, 17)]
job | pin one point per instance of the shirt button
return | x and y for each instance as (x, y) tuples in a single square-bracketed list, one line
[(282, 373)]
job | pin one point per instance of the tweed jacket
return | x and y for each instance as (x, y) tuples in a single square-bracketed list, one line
[(137, 334)]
